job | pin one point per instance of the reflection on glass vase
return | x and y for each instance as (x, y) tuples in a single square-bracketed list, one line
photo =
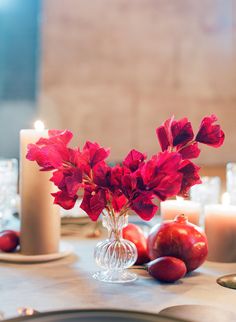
[(115, 254)]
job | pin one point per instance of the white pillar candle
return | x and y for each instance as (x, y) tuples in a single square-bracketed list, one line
[(220, 228), (171, 208), (40, 221)]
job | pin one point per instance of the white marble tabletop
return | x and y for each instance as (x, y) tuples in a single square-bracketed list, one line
[(68, 284)]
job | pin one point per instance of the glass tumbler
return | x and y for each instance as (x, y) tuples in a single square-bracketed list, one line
[(8, 189)]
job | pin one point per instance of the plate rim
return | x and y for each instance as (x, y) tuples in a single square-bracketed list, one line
[(65, 249), (87, 310)]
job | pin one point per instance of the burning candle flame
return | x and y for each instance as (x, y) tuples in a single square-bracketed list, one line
[(39, 125), (178, 198)]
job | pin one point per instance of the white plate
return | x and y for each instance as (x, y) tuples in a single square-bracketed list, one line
[(65, 250)]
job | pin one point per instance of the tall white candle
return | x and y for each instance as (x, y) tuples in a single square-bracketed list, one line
[(40, 221), (171, 208), (220, 228)]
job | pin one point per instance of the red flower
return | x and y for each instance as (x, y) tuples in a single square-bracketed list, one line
[(110, 179), (118, 178), (47, 157), (51, 152), (93, 203), (191, 176), (161, 165), (168, 186), (182, 132), (92, 154), (174, 133), (144, 206), (119, 182), (209, 133), (164, 134), (161, 175), (133, 184), (56, 137), (68, 180), (62, 199), (134, 159)]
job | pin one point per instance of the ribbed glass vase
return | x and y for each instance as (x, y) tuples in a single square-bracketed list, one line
[(115, 254)]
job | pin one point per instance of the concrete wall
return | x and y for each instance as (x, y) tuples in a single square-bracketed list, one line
[(114, 70), (14, 116)]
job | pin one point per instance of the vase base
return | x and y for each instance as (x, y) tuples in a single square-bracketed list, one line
[(115, 276)]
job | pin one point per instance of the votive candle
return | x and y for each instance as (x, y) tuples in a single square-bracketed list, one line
[(171, 208), (220, 228)]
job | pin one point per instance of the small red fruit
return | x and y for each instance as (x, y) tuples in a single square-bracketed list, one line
[(9, 240), (135, 234), (167, 269)]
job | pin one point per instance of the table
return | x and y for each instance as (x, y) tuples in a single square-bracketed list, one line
[(67, 284)]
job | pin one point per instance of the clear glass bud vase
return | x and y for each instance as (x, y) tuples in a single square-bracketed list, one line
[(115, 254)]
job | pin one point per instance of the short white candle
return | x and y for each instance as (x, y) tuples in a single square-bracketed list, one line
[(220, 228), (40, 223), (225, 198), (171, 208)]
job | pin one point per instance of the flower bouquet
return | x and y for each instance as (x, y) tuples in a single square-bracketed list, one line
[(131, 185)]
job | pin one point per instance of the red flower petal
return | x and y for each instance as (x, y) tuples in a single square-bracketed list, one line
[(116, 176), (47, 157), (129, 184), (134, 159), (144, 207), (62, 199), (190, 176), (168, 161), (73, 181), (73, 156), (209, 133), (164, 134), (118, 202), (182, 132), (102, 175), (93, 203), (58, 178), (168, 186), (94, 154), (68, 180), (190, 152)]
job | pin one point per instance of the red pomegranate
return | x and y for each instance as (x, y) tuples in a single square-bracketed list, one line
[(135, 234), (180, 239)]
